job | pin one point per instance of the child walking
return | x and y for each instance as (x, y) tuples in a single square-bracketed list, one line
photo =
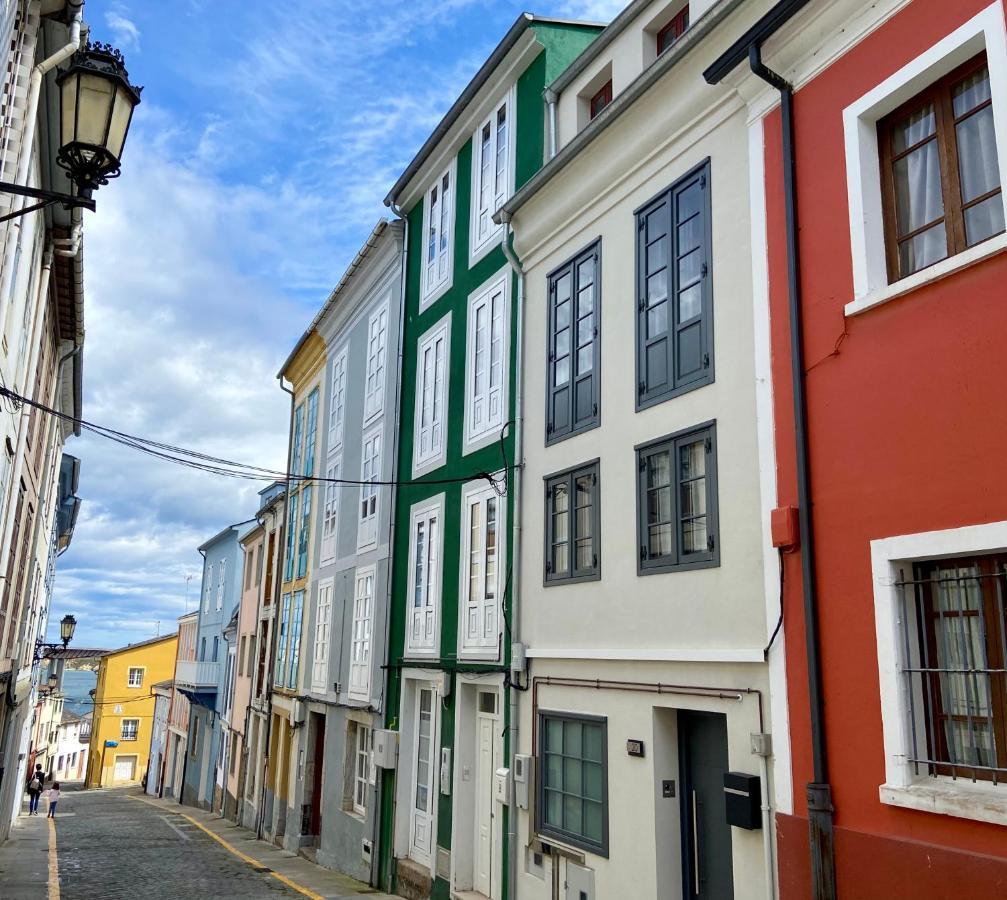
[(53, 799)]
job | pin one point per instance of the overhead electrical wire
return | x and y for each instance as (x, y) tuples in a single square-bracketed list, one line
[(216, 465)]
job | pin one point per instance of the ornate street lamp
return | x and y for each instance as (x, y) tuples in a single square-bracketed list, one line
[(96, 107), (66, 628)]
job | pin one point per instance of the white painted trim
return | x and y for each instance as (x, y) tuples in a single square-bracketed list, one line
[(863, 169), (936, 272), (783, 797), (381, 386), (478, 249), (361, 575), (427, 298), (902, 786), (364, 543), (326, 584), (479, 490), (645, 655), (423, 465), (475, 441), (423, 509)]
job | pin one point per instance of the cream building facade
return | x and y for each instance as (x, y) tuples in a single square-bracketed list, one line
[(649, 588)]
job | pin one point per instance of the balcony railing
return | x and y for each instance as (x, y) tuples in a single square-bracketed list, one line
[(197, 676)]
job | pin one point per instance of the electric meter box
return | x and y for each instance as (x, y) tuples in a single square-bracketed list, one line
[(743, 800), (522, 779), (385, 747), (501, 786)]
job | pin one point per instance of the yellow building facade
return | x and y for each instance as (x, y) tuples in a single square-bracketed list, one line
[(124, 710)]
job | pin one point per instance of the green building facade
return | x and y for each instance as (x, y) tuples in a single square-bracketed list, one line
[(441, 827)]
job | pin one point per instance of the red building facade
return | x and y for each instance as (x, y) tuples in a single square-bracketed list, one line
[(900, 145)]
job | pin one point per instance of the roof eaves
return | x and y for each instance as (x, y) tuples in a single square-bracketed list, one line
[(670, 58), (773, 20)]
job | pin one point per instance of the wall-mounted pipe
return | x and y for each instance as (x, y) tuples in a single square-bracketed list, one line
[(551, 100)]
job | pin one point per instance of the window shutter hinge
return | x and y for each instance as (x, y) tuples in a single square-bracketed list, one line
[(709, 444), (641, 388), (710, 543), (548, 568), (640, 223), (594, 561), (643, 464), (643, 553), (643, 305), (704, 269), (702, 181), (706, 360), (596, 413), (549, 428)]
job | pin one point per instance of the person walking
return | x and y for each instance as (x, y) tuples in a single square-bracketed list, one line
[(53, 799), (35, 785)]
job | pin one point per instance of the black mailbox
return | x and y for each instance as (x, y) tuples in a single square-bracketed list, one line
[(743, 800)]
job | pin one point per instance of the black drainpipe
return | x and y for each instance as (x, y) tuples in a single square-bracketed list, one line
[(819, 791)]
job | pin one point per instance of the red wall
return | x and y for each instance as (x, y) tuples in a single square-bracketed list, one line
[(908, 433)]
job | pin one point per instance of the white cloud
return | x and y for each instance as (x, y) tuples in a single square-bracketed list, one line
[(125, 34), (593, 10)]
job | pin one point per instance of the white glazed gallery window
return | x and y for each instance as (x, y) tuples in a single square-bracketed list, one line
[(361, 769), (220, 583), (492, 175), (367, 526), (486, 369), (429, 438), (330, 510), (320, 658), (438, 237), (337, 402), (360, 634), (377, 341), (425, 547), (482, 534)]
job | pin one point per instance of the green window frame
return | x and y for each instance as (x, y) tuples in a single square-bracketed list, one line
[(677, 516), (572, 802), (312, 433), (296, 450), (305, 533), (573, 525), (281, 640), (296, 618), (674, 290)]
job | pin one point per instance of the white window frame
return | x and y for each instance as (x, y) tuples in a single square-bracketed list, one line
[(330, 510), (377, 358), (129, 676), (432, 289), (337, 401), (221, 576), (437, 454), (362, 634), (367, 522), (361, 758), (208, 587), (323, 628), (424, 513), (984, 31), (983, 801), (122, 728), (479, 247), (477, 492), (488, 431)]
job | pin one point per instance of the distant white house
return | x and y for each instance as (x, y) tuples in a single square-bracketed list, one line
[(71, 749)]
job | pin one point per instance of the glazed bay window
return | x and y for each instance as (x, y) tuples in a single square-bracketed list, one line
[(377, 340), (674, 327), (429, 438), (367, 526), (940, 171), (574, 363), (296, 617), (298, 439), (304, 539), (282, 640), (573, 526), (486, 367), (438, 212), (491, 175), (288, 567), (311, 435), (360, 634), (482, 534), (320, 656), (955, 634), (677, 501), (425, 543), (330, 510), (337, 402), (573, 780)]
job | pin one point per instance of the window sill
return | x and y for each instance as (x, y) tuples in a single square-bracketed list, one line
[(430, 464), (428, 300), (979, 802), (479, 251), (936, 272)]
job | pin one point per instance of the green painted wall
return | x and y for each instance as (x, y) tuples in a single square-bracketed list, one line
[(561, 43)]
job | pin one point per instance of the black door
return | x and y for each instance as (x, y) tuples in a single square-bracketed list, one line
[(708, 870)]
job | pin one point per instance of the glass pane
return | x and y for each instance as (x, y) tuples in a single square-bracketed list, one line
[(563, 287), (655, 224), (978, 167), (926, 248), (584, 522), (585, 359), (694, 538), (972, 91), (585, 301), (593, 781), (585, 554), (554, 809), (657, 287), (561, 559), (572, 821), (657, 255), (593, 742), (585, 330), (560, 526), (585, 273), (690, 234), (918, 197), (660, 540), (984, 219), (689, 201), (562, 315), (657, 320), (693, 498), (571, 775), (571, 738), (692, 460), (689, 267), (659, 469), (914, 128), (553, 770), (563, 342), (690, 302), (593, 829), (554, 735), (562, 371)]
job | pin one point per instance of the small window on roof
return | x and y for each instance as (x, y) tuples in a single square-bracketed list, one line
[(601, 99), (671, 32)]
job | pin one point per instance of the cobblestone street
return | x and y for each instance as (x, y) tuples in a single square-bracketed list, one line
[(111, 845)]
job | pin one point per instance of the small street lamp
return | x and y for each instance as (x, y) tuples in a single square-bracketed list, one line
[(66, 628), (96, 108), (50, 686)]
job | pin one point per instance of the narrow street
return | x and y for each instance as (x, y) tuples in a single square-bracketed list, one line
[(119, 845)]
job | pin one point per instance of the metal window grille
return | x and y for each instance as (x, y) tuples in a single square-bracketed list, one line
[(954, 635)]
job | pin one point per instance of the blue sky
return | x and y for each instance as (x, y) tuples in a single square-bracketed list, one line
[(268, 135)]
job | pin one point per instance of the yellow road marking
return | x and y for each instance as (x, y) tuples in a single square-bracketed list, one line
[(53, 862), (293, 885)]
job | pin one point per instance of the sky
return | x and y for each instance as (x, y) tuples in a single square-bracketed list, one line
[(267, 137)]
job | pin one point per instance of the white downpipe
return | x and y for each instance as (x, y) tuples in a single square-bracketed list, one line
[(550, 99), (30, 116), (41, 302), (515, 615), (767, 828), (71, 245)]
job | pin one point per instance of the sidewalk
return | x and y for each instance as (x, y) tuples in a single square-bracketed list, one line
[(323, 882), (24, 859)]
